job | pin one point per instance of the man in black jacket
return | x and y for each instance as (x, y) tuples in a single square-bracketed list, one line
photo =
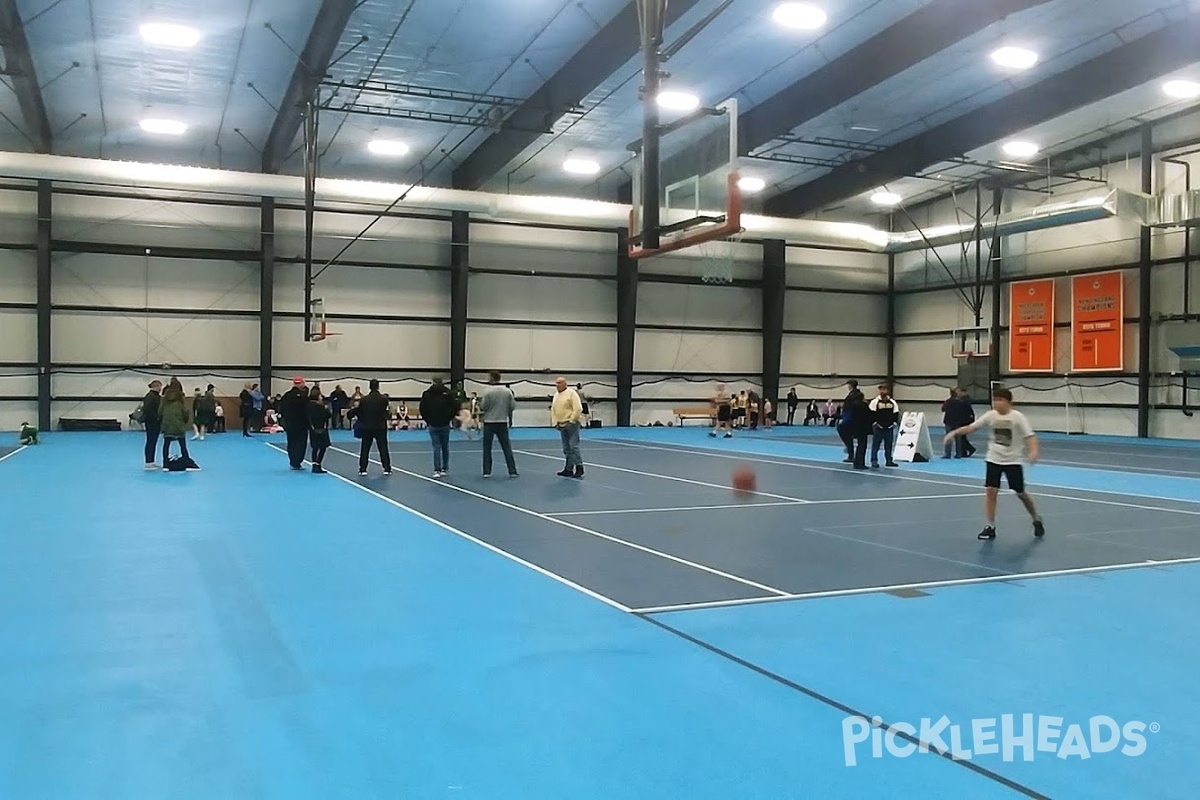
[(846, 427), (372, 415), (293, 410), (438, 410), (152, 420)]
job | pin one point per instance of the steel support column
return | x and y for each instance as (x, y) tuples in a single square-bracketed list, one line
[(45, 260), (890, 332), (774, 294), (266, 296), (627, 290), (997, 260), (460, 264), (1144, 290)]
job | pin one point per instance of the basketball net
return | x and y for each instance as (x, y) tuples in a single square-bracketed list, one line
[(717, 259)]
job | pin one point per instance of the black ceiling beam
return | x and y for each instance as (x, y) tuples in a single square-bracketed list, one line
[(18, 65), (1126, 67), (612, 46), (311, 67), (914, 39)]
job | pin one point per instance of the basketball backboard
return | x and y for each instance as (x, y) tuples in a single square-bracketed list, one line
[(698, 198)]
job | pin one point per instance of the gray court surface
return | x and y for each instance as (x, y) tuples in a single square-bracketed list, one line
[(656, 526)]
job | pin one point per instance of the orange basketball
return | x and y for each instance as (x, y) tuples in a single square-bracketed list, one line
[(744, 481)]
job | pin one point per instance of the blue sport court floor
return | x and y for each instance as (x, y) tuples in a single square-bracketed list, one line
[(250, 632)]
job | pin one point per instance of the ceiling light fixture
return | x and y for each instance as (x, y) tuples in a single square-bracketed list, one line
[(581, 166), (168, 34), (751, 185), (800, 16), (886, 198), (1014, 57), (1182, 90), (678, 101), (387, 147), (1020, 149), (167, 127)]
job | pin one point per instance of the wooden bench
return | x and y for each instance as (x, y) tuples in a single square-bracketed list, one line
[(694, 412)]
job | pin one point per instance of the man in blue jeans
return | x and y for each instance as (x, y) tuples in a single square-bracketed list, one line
[(566, 410), (496, 408), (438, 409)]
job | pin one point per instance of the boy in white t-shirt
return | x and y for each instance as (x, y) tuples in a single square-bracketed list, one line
[(1012, 441)]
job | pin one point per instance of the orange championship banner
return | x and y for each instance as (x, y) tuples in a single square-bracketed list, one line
[(1097, 323), (1031, 326)]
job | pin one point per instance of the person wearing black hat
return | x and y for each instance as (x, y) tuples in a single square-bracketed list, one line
[(372, 416), (293, 409)]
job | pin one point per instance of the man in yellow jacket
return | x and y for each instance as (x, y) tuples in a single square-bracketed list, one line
[(565, 412)]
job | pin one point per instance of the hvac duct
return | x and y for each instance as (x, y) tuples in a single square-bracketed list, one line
[(1110, 203)]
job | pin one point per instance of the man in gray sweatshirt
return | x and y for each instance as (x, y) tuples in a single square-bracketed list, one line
[(496, 408)]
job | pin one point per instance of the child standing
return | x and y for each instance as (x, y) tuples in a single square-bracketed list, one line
[(1012, 442)]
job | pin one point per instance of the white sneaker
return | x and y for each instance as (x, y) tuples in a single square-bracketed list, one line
[(437, 473), (362, 472), (151, 465)]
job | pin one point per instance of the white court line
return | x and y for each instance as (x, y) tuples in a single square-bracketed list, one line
[(1132, 470), (472, 539), (607, 511), (844, 501), (13, 453), (1013, 578), (899, 477), (581, 529), (592, 464)]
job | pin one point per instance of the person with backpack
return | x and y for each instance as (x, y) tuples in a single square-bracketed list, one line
[(438, 409), (176, 418)]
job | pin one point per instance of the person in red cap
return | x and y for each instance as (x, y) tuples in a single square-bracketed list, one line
[(293, 410)]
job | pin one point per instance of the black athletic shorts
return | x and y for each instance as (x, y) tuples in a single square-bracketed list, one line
[(724, 413), (1013, 473)]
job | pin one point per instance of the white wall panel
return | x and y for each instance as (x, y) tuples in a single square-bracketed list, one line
[(387, 239), (537, 349), (718, 307), (835, 312), (940, 310), (722, 353), (93, 279), (85, 337), (18, 216), (364, 290), (18, 276), (130, 383), (15, 412), (836, 269), (542, 250), (18, 341), (925, 355), (850, 357), (155, 223), (521, 297), (422, 346)]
